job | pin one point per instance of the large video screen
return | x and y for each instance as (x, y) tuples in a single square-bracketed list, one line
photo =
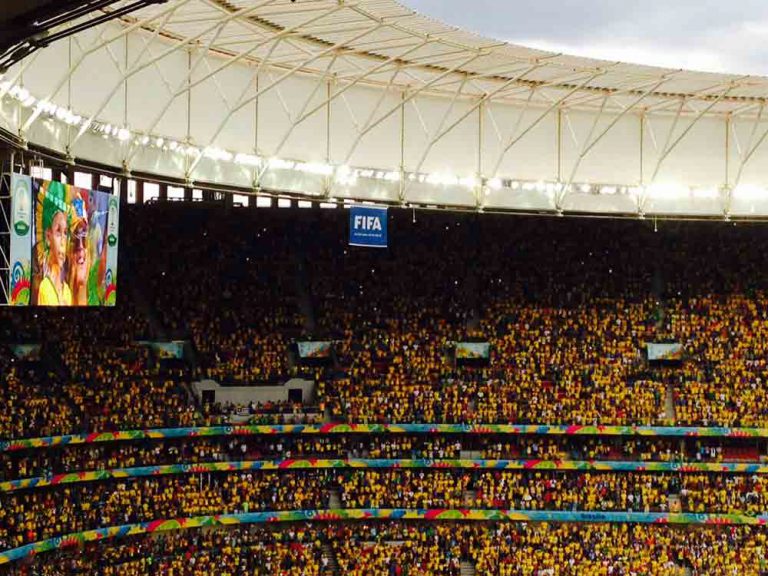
[(315, 349), (664, 352), (64, 243), (473, 350)]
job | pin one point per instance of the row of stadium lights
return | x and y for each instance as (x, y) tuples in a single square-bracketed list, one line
[(348, 176)]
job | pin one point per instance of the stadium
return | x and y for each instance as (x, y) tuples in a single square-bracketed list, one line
[(332, 288)]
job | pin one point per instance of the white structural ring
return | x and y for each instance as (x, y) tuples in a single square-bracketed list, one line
[(366, 99)]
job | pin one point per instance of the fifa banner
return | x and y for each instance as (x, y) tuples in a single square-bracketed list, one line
[(473, 350), (318, 349), (368, 226), (63, 245), (664, 352), (165, 350)]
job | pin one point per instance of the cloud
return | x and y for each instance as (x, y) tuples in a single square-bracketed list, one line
[(635, 52), (706, 35)]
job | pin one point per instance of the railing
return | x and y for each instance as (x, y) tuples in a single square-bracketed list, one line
[(341, 428), (331, 515), (295, 465)]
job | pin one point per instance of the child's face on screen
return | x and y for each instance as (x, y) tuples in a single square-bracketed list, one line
[(57, 239)]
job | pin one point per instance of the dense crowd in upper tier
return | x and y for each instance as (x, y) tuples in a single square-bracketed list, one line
[(567, 307), (228, 283), (407, 549)]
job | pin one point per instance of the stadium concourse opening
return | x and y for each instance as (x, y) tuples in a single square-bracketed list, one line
[(332, 289)]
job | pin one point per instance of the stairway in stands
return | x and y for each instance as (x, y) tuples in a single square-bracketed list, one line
[(669, 403), (334, 503), (658, 288), (467, 568), (332, 568), (303, 287), (674, 503), (334, 500), (471, 284), (143, 299)]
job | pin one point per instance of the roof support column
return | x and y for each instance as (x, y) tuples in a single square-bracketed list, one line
[(559, 144), (751, 148), (479, 186), (516, 138), (671, 146), (401, 182)]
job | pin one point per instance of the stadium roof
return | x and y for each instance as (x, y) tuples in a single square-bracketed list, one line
[(384, 43), (368, 100)]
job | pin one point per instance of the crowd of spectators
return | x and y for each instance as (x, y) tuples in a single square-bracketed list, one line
[(227, 283), (278, 412), (243, 551), (33, 515), (565, 342), (608, 492), (31, 408), (28, 463), (713, 493), (106, 396), (716, 304), (402, 488), (587, 448), (108, 456), (399, 550), (618, 549), (567, 308), (410, 549), (91, 375), (507, 490), (724, 381)]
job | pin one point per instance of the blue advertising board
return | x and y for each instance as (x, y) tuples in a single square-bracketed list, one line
[(368, 226)]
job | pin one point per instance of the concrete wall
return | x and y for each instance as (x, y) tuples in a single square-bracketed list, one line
[(246, 394)]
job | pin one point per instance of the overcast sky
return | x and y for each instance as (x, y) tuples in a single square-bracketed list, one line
[(712, 35)]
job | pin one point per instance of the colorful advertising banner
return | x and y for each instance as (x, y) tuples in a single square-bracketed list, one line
[(63, 245), (473, 350), (392, 514), (316, 349), (113, 238), (664, 352), (351, 428), (21, 240), (368, 226), (296, 464)]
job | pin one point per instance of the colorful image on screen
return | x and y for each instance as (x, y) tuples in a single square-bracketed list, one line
[(315, 349), (664, 352), (473, 350), (72, 235)]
